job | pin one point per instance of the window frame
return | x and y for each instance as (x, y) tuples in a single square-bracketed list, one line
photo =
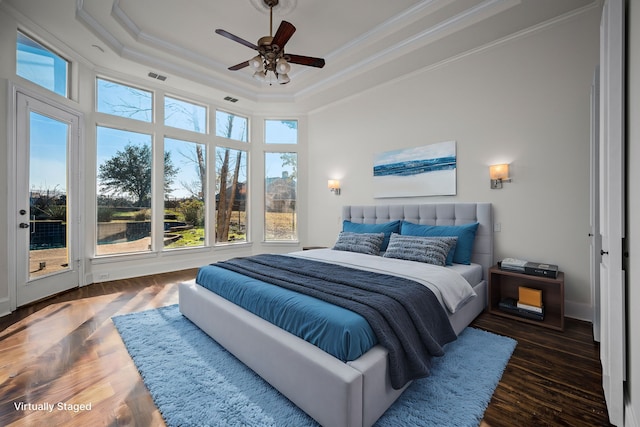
[(70, 68), (280, 148)]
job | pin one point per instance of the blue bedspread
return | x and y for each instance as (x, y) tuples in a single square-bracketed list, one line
[(406, 317), (338, 331)]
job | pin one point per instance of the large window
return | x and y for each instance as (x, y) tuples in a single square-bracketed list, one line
[(204, 174), (280, 218), (185, 115), (231, 195), (231, 178), (281, 181), (124, 190), (185, 192), (281, 131), (231, 126), (41, 66), (124, 101)]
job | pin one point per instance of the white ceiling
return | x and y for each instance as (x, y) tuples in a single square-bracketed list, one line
[(364, 42)]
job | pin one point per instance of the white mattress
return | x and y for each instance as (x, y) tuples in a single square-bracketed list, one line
[(472, 273)]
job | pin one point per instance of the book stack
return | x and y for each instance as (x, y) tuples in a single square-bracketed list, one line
[(531, 268), (528, 304)]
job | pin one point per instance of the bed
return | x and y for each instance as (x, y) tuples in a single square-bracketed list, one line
[(334, 392)]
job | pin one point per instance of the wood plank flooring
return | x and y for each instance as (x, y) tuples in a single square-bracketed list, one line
[(67, 350)]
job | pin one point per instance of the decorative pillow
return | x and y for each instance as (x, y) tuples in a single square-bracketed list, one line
[(364, 243), (432, 250), (387, 228), (466, 235)]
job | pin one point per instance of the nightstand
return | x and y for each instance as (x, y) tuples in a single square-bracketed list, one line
[(505, 284)]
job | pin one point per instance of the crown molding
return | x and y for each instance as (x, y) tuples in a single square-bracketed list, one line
[(252, 89), (456, 23)]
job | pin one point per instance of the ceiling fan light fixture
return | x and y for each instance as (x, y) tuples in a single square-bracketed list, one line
[(256, 63), (270, 63), (283, 78), (282, 66)]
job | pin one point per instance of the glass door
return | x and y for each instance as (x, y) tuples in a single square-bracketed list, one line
[(46, 218)]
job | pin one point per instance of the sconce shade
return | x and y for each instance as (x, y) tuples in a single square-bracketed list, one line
[(334, 186), (500, 172)]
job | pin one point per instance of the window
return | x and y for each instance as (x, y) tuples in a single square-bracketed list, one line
[(231, 195), (280, 222), (185, 182), (124, 101), (185, 115), (124, 191), (41, 66), (281, 131), (231, 126)]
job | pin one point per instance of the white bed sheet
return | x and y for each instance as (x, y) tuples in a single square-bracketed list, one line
[(472, 272), (449, 286)]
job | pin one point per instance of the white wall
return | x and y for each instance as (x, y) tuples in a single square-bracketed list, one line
[(524, 101), (632, 416)]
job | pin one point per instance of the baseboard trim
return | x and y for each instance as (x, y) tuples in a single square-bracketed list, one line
[(5, 306), (579, 311)]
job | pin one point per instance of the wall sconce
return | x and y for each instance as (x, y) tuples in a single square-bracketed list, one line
[(498, 175), (334, 186)]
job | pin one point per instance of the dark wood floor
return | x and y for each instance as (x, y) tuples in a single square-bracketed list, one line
[(67, 350)]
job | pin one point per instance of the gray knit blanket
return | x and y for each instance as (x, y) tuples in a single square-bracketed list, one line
[(406, 316)]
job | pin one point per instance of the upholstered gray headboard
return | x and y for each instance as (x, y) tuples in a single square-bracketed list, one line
[(435, 214)]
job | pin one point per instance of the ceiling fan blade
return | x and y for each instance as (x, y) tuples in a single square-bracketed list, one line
[(239, 66), (306, 60), (283, 34), (230, 36)]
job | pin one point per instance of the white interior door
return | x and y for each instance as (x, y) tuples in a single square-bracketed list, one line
[(612, 171), (46, 189), (594, 205)]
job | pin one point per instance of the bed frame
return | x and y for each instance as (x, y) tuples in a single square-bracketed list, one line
[(332, 392)]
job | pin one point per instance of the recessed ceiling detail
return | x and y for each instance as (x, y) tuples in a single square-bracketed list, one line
[(365, 42)]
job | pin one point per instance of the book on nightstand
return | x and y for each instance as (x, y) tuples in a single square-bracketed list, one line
[(531, 268), (510, 305)]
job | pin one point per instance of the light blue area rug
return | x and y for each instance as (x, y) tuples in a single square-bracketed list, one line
[(195, 382)]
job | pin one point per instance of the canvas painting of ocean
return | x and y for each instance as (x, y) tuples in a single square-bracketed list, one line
[(429, 170)]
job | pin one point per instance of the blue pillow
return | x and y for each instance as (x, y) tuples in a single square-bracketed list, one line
[(466, 235), (387, 228)]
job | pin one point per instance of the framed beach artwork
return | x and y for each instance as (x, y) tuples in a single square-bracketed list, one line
[(429, 170)]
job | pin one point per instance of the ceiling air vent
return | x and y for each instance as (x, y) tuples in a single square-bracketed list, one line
[(230, 99), (157, 76)]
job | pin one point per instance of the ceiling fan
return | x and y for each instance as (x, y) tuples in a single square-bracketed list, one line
[(271, 57)]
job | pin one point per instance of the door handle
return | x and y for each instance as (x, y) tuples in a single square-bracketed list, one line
[(24, 225), (602, 252)]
